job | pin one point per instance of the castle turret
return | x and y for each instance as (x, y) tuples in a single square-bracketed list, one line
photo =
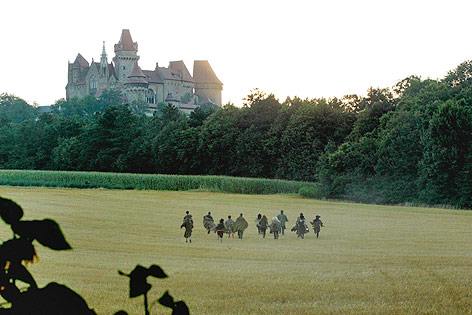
[(76, 77), (207, 85), (136, 86), (77, 68), (125, 56)]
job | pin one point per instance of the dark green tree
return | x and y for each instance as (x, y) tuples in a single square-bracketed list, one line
[(15, 109)]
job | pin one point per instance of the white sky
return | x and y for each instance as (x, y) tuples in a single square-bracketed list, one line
[(289, 48)]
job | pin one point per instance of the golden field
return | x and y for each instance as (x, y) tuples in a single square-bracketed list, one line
[(369, 259)]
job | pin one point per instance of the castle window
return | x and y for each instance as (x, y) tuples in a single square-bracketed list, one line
[(151, 97), (93, 82)]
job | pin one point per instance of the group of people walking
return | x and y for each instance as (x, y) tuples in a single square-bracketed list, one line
[(229, 227), (301, 227), (276, 225)]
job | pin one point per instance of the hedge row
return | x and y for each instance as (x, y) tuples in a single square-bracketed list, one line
[(150, 182)]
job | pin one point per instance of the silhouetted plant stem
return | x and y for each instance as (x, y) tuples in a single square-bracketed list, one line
[(146, 310)]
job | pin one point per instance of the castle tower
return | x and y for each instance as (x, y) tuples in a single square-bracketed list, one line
[(76, 69), (207, 85), (125, 56), (136, 86), (76, 77), (103, 61)]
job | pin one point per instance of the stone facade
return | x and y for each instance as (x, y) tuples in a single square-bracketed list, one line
[(173, 84)]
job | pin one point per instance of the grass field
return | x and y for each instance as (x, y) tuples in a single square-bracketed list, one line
[(369, 259)]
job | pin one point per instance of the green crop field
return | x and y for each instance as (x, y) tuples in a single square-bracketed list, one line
[(238, 185), (368, 259)]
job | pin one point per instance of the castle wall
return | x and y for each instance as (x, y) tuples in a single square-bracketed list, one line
[(158, 89), (209, 91), (136, 94), (78, 91)]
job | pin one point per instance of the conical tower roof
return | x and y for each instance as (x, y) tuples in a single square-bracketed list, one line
[(137, 76), (126, 41)]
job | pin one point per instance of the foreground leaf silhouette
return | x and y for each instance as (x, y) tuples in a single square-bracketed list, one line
[(54, 298), (178, 308), (47, 232), (10, 211), (138, 285)]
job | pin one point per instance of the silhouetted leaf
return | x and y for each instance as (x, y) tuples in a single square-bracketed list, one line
[(157, 272), (180, 309), (167, 300), (138, 279), (16, 250), (47, 232), (18, 272), (138, 286), (53, 299), (10, 211)]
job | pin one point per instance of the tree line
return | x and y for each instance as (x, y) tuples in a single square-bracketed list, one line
[(411, 143)]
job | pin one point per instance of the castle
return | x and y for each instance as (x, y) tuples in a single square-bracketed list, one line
[(173, 84)]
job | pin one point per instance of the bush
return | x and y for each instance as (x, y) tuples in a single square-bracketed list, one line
[(313, 191)]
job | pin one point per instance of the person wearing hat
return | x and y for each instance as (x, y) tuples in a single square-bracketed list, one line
[(317, 224)]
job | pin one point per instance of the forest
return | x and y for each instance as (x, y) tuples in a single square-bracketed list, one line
[(408, 144)]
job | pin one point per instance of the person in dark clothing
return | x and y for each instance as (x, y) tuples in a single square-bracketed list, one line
[(220, 230), (188, 225), (317, 225), (263, 225)]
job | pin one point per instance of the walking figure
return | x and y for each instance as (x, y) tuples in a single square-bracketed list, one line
[(300, 226), (275, 227), (263, 225), (258, 223), (240, 225), (317, 225), (282, 218), (188, 225), (220, 230), (229, 227), (208, 222)]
